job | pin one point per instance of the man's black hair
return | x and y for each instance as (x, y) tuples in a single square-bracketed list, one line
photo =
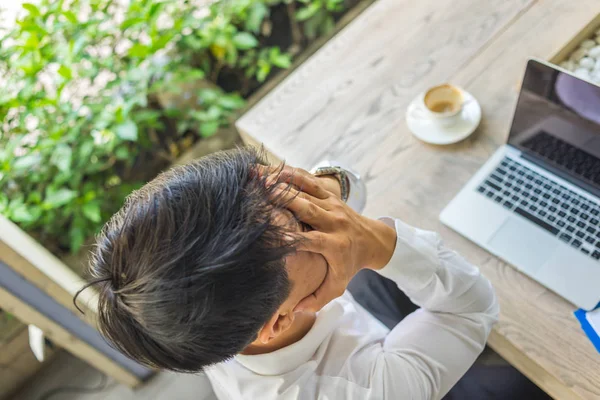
[(192, 266)]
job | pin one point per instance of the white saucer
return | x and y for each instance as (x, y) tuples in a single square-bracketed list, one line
[(428, 131)]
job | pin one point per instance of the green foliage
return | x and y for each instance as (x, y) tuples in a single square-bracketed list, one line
[(259, 64), (317, 16), (82, 100)]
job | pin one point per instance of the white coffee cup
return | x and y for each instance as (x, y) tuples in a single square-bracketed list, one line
[(442, 105)]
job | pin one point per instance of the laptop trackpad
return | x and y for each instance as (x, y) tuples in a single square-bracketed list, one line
[(523, 245)]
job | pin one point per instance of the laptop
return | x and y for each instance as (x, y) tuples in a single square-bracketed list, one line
[(536, 202)]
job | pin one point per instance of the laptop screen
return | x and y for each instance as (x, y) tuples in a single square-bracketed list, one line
[(557, 124)]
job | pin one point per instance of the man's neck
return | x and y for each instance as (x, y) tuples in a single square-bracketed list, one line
[(303, 322)]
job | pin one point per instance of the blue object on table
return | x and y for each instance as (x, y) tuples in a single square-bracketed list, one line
[(584, 318)]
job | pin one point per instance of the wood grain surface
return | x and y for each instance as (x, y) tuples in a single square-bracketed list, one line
[(37, 265), (68, 371), (347, 103), (18, 364), (63, 338)]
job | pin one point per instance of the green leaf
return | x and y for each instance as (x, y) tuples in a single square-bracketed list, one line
[(62, 157), (312, 26), (263, 71), (77, 45), (65, 72), (194, 74), (208, 95), (173, 112), (33, 10), (232, 102), (22, 214), (92, 212), (86, 150), (59, 198), (220, 42), (214, 113), (76, 239), (146, 115), (29, 26), (257, 14), (32, 42), (161, 41), (335, 5), (200, 115), (70, 16), (128, 130), (3, 203), (25, 162), (280, 60), (154, 9), (128, 23), (244, 41), (122, 153), (209, 128), (183, 126), (328, 25), (139, 50), (34, 197), (308, 12)]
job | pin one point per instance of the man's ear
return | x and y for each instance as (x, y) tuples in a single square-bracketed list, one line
[(276, 325)]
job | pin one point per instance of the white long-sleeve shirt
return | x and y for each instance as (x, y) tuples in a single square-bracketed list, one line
[(349, 354)]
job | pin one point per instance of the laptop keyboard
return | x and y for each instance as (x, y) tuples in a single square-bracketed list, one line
[(565, 155), (551, 206)]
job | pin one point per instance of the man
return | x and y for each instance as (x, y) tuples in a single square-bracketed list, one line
[(240, 270)]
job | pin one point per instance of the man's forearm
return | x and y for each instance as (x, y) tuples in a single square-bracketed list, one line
[(434, 277), (428, 351), (386, 244)]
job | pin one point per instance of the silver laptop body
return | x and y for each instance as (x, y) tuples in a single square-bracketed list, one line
[(536, 202)]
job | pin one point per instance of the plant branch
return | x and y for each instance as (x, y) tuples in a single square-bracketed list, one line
[(244, 80), (214, 75), (297, 36), (165, 156), (109, 164)]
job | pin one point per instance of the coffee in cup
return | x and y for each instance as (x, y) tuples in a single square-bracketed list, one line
[(441, 104)]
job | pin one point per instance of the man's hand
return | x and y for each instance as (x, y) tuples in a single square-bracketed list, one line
[(348, 241), (298, 177), (331, 184)]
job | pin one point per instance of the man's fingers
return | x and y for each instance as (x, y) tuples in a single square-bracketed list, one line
[(313, 242), (283, 195), (306, 208), (328, 291), (308, 211), (309, 303), (301, 179), (274, 174), (305, 182)]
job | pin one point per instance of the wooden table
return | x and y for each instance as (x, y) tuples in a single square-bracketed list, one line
[(37, 288), (347, 103)]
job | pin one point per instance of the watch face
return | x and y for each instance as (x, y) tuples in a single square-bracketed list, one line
[(355, 193)]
